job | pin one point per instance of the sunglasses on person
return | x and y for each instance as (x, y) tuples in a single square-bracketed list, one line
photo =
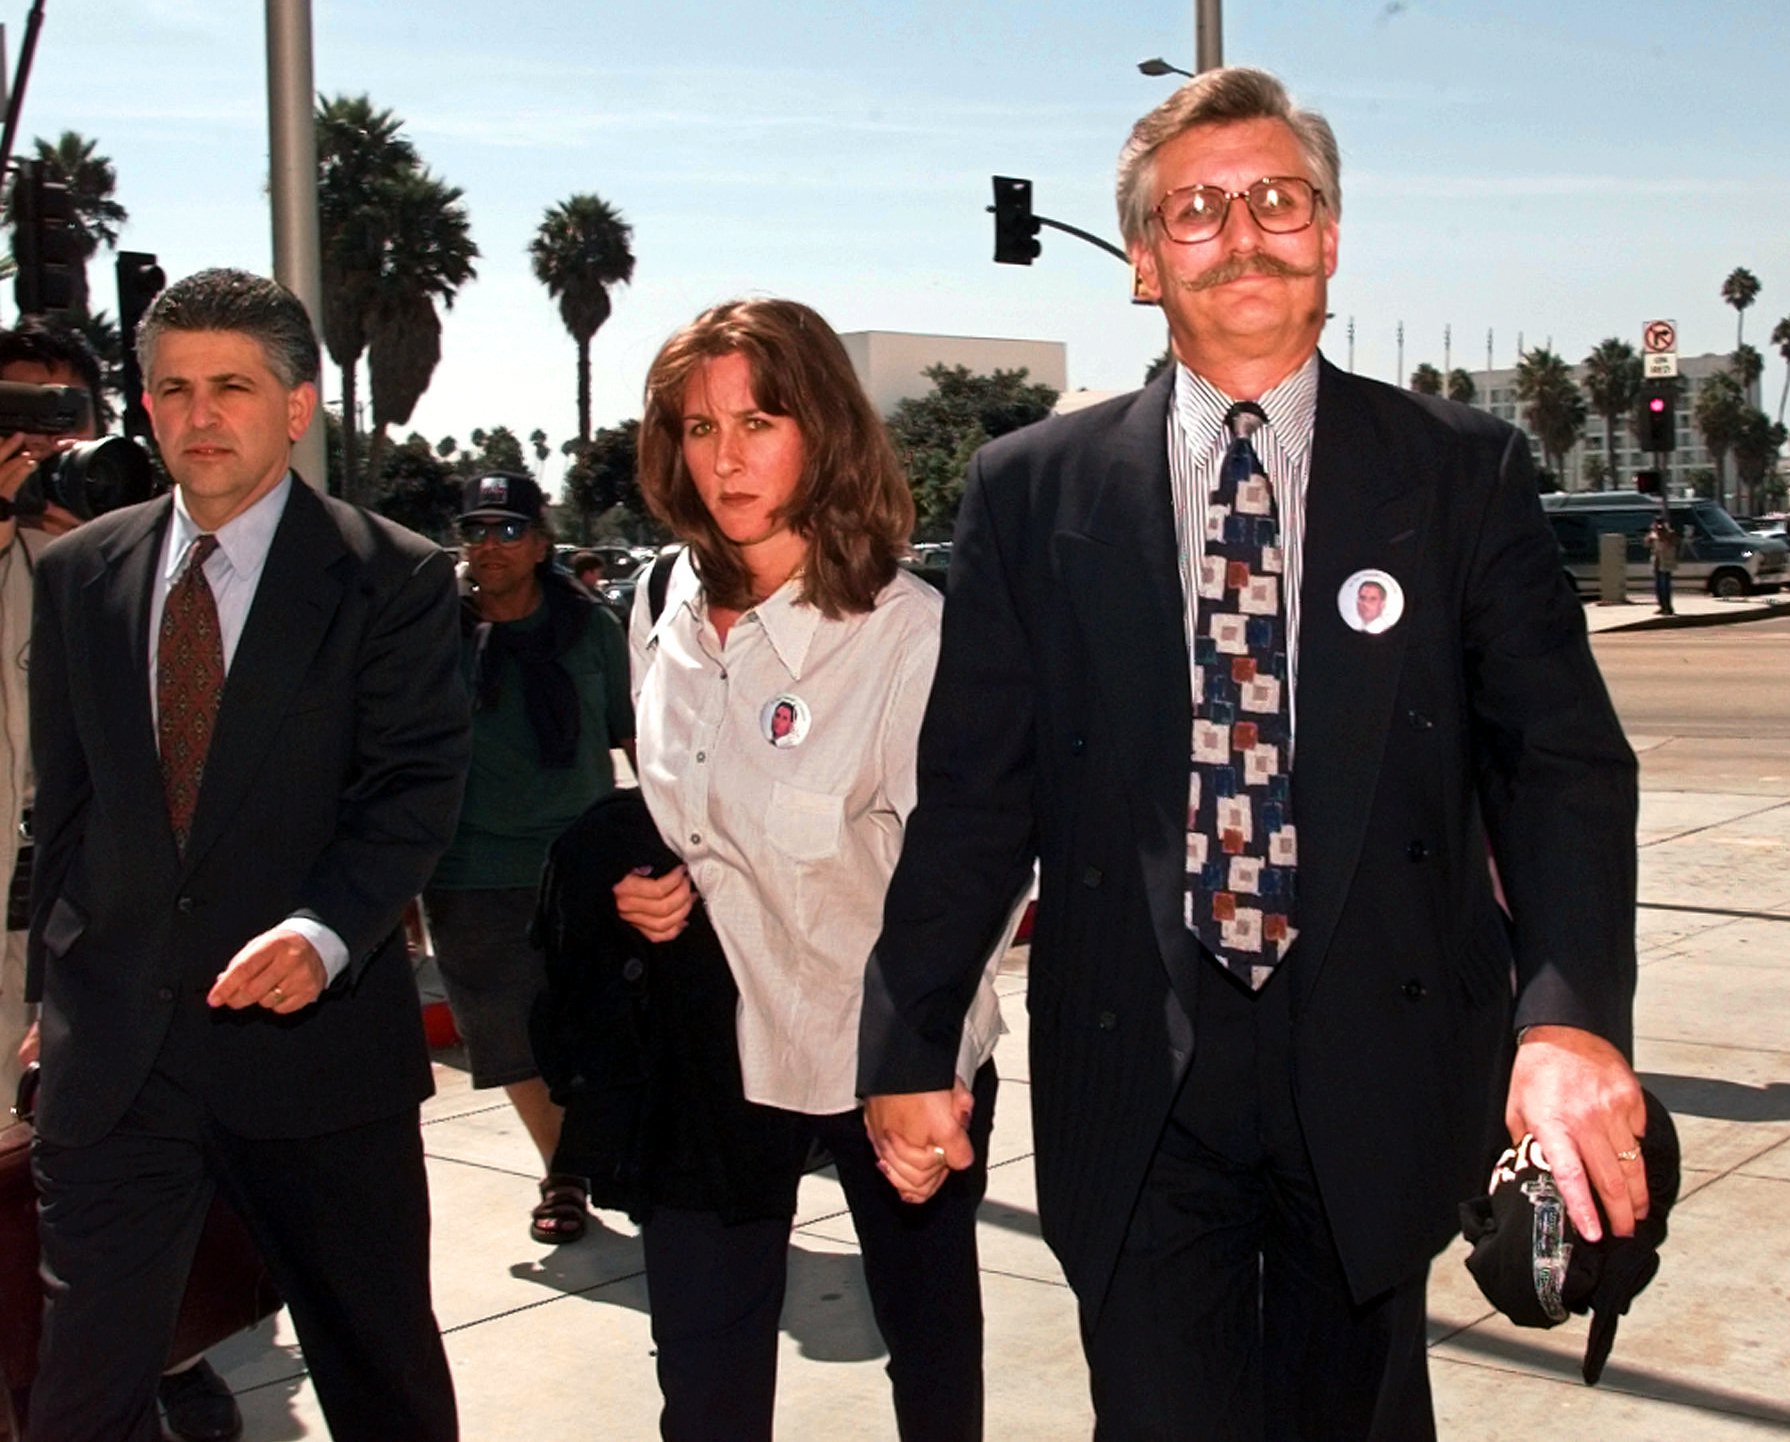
[(505, 532)]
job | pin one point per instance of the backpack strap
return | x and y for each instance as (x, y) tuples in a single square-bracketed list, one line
[(659, 578)]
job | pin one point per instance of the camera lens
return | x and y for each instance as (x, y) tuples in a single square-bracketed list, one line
[(94, 477)]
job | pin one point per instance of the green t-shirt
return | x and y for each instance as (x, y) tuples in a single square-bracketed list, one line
[(515, 806)]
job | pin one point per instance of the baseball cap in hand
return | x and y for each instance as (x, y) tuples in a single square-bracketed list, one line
[(1534, 1267), (505, 495)]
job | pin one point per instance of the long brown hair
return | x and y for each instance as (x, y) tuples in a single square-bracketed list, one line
[(852, 504)]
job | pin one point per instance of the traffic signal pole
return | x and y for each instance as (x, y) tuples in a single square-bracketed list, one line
[(15, 102), (292, 152)]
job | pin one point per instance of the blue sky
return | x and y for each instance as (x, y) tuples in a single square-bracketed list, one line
[(1565, 169)]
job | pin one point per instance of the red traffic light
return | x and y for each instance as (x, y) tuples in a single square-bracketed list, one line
[(1656, 404)]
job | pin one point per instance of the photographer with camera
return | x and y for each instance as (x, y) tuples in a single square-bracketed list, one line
[(39, 469)]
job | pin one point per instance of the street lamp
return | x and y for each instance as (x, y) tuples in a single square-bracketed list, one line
[(1159, 66)]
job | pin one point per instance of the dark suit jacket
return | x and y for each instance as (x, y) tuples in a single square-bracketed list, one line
[(1059, 728), (332, 785)]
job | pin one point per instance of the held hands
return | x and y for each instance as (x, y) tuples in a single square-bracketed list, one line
[(29, 1047), (920, 1138), (658, 907), (1580, 1098), (278, 970)]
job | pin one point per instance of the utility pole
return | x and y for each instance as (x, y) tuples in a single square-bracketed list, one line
[(292, 171), (1208, 34), (1399, 378), (1447, 356), (1351, 345)]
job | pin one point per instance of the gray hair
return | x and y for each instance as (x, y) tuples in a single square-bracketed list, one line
[(1220, 97), (235, 300)]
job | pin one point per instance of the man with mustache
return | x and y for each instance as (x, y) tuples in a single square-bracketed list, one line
[(1276, 1013)]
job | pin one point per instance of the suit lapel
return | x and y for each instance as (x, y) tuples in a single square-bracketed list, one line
[(293, 606), (1367, 505), (1123, 582), (118, 594)]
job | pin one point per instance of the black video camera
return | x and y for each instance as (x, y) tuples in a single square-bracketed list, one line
[(88, 479)]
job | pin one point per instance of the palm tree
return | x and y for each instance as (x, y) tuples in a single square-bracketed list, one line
[(1748, 365), (1757, 441), (1426, 380), (428, 257), (1613, 384), (1740, 290), (1719, 411), (1554, 408), (1461, 387), (91, 180), (582, 249), (359, 154), (1780, 337)]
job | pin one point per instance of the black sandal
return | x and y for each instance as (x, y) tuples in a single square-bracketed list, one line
[(564, 1205)]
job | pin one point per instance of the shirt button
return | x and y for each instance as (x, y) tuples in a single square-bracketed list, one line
[(184, 904), (702, 756), (164, 993), (696, 838), (1414, 990), (1106, 1021), (1417, 851), (724, 675)]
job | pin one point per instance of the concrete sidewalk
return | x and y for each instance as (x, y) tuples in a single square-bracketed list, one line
[(553, 1342), (1690, 608)]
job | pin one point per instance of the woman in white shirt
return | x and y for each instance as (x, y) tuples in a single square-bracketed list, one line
[(779, 693)]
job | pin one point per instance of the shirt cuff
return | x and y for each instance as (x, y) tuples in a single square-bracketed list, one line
[(330, 947)]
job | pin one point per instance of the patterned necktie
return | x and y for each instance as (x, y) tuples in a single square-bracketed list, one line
[(1241, 850), (189, 678)]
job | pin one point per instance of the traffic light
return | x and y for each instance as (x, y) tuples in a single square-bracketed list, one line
[(1659, 431), (140, 281), (46, 242), (1015, 227)]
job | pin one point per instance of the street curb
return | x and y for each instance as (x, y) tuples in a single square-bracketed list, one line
[(1702, 618)]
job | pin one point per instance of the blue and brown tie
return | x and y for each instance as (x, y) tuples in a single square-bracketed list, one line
[(1241, 848), (189, 680)]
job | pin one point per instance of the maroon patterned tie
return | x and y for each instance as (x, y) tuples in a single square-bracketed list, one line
[(189, 678)]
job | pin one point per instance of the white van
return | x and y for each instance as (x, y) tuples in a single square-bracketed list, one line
[(1714, 552)]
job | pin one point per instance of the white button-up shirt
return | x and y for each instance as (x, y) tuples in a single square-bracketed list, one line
[(780, 766)]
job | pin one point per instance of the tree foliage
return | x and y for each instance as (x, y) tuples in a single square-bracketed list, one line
[(1757, 441), (1461, 387), (581, 250), (1780, 337), (1718, 411), (935, 435), (1740, 290), (1553, 406), (419, 489), (603, 476), (1426, 380), (1748, 365), (1613, 386), (396, 239)]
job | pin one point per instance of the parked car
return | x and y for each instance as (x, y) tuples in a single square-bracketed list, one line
[(1714, 552)]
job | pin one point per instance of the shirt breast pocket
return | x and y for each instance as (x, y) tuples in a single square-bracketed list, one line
[(804, 825)]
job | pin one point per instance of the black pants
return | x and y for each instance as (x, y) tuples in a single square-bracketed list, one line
[(1229, 1318), (717, 1295), (342, 1221)]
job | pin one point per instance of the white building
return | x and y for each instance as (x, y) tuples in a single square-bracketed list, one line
[(891, 364), (1498, 394)]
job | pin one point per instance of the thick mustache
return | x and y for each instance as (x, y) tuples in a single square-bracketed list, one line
[(1253, 263)]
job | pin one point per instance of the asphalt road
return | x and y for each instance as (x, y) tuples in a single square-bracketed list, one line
[(1706, 708)]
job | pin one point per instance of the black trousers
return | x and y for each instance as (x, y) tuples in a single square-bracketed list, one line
[(1229, 1318), (342, 1221), (717, 1294)]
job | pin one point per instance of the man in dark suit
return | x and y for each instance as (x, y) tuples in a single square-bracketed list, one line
[(1271, 995), (251, 739)]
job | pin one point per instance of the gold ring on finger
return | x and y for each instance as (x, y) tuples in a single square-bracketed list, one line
[(1629, 1155), (277, 995)]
